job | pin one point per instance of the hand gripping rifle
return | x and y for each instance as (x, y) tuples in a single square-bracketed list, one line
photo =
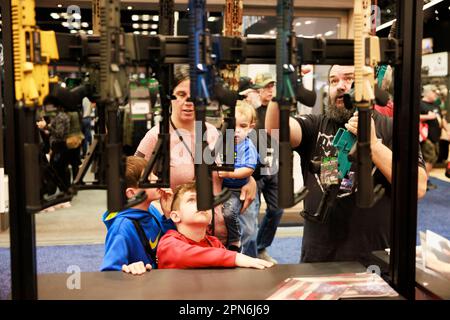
[(113, 81), (159, 161), (287, 63), (366, 195), (33, 49), (200, 64)]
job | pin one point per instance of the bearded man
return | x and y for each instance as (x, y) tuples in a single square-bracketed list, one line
[(341, 232)]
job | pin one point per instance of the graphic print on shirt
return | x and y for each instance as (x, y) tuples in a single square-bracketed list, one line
[(325, 149), (324, 146)]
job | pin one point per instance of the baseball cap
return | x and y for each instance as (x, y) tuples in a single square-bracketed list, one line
[(263, 79), (245, 86)]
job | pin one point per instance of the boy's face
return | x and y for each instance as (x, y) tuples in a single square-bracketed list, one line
[(188, 214), (243, 126), (152, 193)]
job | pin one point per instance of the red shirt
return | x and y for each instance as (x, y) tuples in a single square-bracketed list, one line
[(387, 110), (175, 251)]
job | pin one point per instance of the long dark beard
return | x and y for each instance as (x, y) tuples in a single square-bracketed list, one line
[(340, 115)]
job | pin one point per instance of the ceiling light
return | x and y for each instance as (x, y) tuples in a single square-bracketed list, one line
[(156, 18), (145, 26), (154, 26), (388, 10), (76, 16), (298, 24), (146, 17), (319, 35), (54, 15), (272, 31), (136, 32), (145, 33), (73, 31), (135, 17), (329, 33), (308, 22), (59, 5), (85, 25), (435, 11), (130, 8), (90, 32), (212, 19), (437, 18), (65, 24), (135, 25), (152, 32)]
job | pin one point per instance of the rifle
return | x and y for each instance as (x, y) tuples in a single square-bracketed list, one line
[(160, 158), (33, 51), (200, 69), (366, 195), (231, 74), (113, 81), (287, 63)]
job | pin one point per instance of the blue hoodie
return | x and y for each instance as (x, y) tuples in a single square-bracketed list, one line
[(123, 245)]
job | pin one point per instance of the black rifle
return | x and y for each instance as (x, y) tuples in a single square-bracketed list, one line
[(112, 81), (159, 161), (200, 64), (287, 72)]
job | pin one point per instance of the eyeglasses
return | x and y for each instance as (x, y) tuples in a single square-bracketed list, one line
[(347, 79)]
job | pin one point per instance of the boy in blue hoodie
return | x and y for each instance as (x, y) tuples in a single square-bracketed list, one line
[(129, 229)]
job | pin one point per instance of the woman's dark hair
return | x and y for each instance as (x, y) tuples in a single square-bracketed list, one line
[(181, 74)]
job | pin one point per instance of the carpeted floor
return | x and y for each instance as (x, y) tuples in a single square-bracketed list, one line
[(434, 210)]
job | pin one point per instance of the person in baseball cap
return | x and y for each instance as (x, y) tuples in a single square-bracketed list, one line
[(266, 85), (248, 92), (246, 85), (263, 79)]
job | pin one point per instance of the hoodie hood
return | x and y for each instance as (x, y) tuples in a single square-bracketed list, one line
[(134, 214)]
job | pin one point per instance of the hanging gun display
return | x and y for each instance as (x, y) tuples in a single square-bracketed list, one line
[(366, 195), (33, 51), (315, 51), (231, 75), (200, 64), (287, 65), (159, 161)]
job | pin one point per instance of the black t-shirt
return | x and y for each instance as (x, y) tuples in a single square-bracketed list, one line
[(350, 233), (434, 130)]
